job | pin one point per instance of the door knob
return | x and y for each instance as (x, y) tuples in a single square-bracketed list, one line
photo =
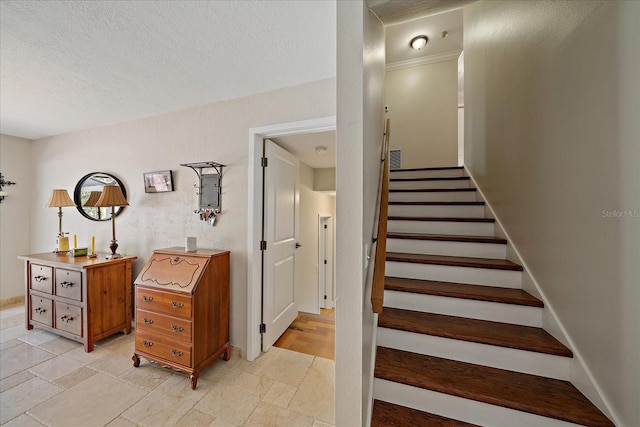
[(298, 245)]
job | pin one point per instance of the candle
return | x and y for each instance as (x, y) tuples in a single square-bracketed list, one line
[(93, 244), (75, 241)]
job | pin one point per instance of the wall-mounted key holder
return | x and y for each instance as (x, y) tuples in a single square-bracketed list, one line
[(209, 189)]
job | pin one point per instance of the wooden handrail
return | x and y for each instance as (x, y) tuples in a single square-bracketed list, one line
[(377, 289)]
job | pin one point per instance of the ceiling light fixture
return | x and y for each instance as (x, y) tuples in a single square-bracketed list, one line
[(321, 149), (418, 42)]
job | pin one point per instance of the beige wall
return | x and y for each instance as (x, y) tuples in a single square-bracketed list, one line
[(324, 179), (15, 230), (423, 110), (552, 137), (360, 46), (312, 204), (217, 132)]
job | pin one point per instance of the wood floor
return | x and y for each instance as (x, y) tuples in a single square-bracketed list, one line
[(312, 334)]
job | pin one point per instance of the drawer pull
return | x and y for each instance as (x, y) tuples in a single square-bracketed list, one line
[(66, 318), (66, 284), (40, 278), (147, 321), (176, 353), (147, 343), (146, 298), (177, 328), (40, 310), (177, 304)]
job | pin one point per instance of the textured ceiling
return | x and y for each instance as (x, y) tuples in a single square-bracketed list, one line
[(398, 11), (398, 37), (69, 65)]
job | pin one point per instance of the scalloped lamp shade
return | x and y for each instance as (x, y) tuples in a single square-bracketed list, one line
[(111, 196), (92, 201), (59, 198)]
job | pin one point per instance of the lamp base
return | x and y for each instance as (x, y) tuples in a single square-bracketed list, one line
[(113, 246), (57, 252)]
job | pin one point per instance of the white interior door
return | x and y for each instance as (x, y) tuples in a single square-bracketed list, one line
[(281, 200)]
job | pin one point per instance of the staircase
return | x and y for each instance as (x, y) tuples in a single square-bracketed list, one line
[(459, 342)]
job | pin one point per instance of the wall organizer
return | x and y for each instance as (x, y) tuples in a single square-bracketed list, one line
[(209, 189)]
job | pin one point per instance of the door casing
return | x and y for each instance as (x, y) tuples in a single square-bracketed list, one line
[(254, 214)]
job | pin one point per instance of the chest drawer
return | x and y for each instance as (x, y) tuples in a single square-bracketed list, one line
[(41, 310), (167, 349), (41, 278), (69, 284), (69, 318), (156, 323), (164, 302)]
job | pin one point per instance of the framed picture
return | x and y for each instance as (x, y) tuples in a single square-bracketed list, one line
[(158, 182)]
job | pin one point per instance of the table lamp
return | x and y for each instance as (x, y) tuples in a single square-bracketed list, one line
[(94, 196), (59, 199), (111, 197)]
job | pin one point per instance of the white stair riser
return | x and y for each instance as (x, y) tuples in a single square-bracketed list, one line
[(442, 173), (483, 310), (446, 273), (446, 211), (459, 408), (445, 183), (528, 362), (432, 196), (441, 227), (439, 247)]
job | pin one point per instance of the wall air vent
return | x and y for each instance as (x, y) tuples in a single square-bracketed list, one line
[(396, 159)]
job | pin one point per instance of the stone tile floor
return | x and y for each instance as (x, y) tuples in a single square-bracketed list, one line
[(49, 380)]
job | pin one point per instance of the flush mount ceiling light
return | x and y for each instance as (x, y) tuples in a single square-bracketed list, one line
[(418, 42), (321, 149)]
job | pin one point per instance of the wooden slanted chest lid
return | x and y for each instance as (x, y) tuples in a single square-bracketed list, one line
[(176, 270)]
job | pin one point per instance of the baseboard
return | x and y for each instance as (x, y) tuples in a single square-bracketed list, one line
[(581, 376), (12, 301)]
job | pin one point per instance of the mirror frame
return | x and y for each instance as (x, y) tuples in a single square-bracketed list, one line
[(77, 196)]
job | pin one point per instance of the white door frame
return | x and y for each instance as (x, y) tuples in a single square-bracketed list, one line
[(254, 215), (325, 274)]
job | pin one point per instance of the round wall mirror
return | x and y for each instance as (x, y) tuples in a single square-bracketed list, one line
[(88, 191)]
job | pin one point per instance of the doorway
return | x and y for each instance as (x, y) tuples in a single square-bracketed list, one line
[(325, 262), (255, 201)]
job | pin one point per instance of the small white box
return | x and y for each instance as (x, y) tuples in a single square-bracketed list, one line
[(190, 244)]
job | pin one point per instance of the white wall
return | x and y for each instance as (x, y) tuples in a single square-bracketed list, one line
[(15, 229), (215, 132), (551, 128), (359, 140), (312, 204), (423, 110)]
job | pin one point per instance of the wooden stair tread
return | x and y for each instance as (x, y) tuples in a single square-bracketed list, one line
[(523, 392), (435, 178), (438, 203), (389, 414), (506, 335), (430, 190), (447, 238), (427, 169), (456, 261), (438, 218), (464, 291)]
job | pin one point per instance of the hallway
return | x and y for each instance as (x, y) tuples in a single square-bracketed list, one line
[(312, 334)]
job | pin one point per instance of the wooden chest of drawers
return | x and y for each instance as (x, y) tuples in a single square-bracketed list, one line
[(182, 310), (81, 298)]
